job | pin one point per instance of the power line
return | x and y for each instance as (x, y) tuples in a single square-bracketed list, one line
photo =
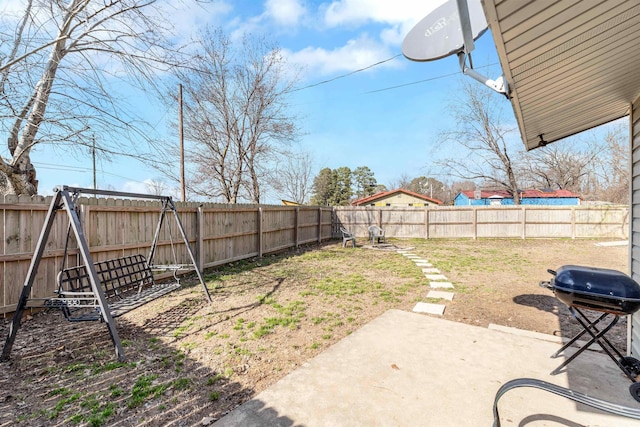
[(66, 168), (414, 83), (345, 75), (442, 76)]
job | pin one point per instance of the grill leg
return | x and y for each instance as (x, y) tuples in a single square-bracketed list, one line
[(595, 337), (584, 331), (602, 340)]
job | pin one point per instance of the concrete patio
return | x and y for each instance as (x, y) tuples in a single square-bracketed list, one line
[(407, 369)]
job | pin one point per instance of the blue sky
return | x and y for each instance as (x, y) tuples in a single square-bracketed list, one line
[(387, 117)]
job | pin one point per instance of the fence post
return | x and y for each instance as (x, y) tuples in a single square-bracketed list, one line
[(524, 223), (426, 222), (319, 225), (573, 223), (475, 223), (200, 238), (380, 218), (296, 232), (260, 232)]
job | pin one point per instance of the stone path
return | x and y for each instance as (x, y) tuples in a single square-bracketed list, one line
[(436, 281)]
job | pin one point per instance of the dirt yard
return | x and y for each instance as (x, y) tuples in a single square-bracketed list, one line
[(190, 362)]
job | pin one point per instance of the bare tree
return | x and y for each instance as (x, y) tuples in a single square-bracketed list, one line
[(235, 116), (613, 167), (59, 62), (561, 165), (485, 152), (403, 181), (294, 180), (156, 187)]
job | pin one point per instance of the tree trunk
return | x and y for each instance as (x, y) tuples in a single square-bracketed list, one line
[(19, 174)]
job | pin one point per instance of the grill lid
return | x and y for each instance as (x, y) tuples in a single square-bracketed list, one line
[(596, 281)]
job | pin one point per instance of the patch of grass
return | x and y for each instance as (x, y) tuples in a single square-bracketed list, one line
[(182, 383), (398, 266), (214, 395), (217, 377), (59, 406), (59, 391), (189, 345), (323, 255), (290, 317), (266, 299), (261, 331), (110, 366), (239, 324), (143, 389), (115, 391), (210, 335), (342, 285)]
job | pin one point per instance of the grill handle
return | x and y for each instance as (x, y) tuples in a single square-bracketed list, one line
[(546, 284)]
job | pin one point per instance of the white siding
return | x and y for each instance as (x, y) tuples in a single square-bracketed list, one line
[(634, 124)]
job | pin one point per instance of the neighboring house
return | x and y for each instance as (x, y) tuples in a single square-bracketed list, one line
[(399, 197), (527, 197)]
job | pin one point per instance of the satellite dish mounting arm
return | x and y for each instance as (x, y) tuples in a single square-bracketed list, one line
[(499, 85)]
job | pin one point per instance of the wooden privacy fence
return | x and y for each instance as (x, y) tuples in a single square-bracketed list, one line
[(119, 227), (488, 221), (223, 233)]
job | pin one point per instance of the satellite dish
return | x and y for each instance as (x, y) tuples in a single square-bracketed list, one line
[(439, 34)]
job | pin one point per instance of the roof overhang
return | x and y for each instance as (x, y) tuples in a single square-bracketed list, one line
[(570, 65)]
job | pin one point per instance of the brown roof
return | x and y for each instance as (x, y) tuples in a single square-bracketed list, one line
[(383, 194)]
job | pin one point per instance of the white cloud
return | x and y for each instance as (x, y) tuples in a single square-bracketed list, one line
[(188, 16), (285, 12), (402, 12), (135, 187), (356, 53)]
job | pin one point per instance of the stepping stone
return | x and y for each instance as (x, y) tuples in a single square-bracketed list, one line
[(435, 277), (423, 264), (440, 295), (443, 285), (408, 255), (429, 270), (425, 307)]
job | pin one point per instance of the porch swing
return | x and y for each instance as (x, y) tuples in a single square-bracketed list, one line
[(104, 290)]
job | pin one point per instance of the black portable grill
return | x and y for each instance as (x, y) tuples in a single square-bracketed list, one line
[(610, 292)]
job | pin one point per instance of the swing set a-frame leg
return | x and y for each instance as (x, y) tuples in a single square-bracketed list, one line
[(83, 246), (61, 200), (167, 204), (31, 276)]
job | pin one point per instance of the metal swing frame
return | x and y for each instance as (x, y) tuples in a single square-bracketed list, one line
[(65, 198)]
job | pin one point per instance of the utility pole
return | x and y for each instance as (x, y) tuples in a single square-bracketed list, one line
[(183, 193), (93, 155)]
